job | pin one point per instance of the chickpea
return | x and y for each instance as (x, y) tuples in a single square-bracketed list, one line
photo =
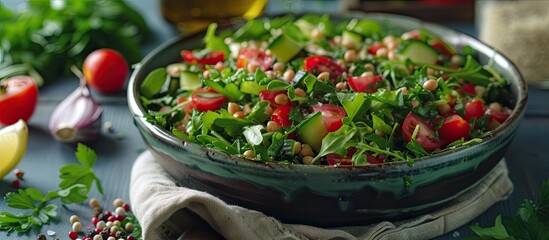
[(430, 85), (281, 99), (456, 59), (270, 74), (252, 67), (480, 90), (269, 110), (341, 86), (175, 69), (415, 103), (239, 114), (247, 109), (367, 74), (307, 160), (272, 126), (495, 107), (317, 34), (219, 66), (444, 108), (232, 108), (392, 45), (288, 75), (404, 90), (278, 67), (348, 43), (323, 76), (381, 52), (300, 92), (379, 133), (337, 40), (249, 154), (387, 39), (350, 56), (342, 63), (391, 55), (206, 73), (297, 147), (430, 72), (306, 150), (370, 66)]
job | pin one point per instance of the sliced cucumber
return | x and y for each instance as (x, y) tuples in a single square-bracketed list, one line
[(312, 130), (365, 27), (351, 37), (251, 87), (189, 81), (284, 48), (417, 51), (306, 27)]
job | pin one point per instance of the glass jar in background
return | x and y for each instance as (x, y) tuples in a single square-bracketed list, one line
[(518, 29), (190, 16)]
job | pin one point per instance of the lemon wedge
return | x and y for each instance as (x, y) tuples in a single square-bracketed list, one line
[(13, 144)]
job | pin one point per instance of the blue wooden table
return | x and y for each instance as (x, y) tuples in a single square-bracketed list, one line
[(527, 158)]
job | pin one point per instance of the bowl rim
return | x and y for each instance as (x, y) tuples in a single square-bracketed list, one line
[(138, 110)]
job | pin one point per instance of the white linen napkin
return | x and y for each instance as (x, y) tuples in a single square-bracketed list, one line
[(167, 211)]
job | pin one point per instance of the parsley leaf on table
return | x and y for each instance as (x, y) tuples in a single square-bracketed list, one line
[(74, 188), (530, 221)]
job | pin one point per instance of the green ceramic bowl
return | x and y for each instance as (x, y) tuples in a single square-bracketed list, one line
[(326, 195)]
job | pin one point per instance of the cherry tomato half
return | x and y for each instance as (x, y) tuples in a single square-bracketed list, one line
[(332, 115), (474, 109), (469, 89), (105, 70), (211, 58), (454, 128), (367, 84), (319, 64), (499, 116), (207, 99), (426, 134), (254, 56), (268, 95), (18, 99), (281, 115)]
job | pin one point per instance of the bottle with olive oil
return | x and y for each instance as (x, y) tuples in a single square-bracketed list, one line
[(190, 16)]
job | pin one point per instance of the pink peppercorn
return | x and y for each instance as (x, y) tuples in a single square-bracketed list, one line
[(73, 235)]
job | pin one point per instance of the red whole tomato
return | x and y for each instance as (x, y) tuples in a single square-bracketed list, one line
[(332, 115), (474, 109), (281, 115), (207, 99), (454, 128), (211, 58), (367, 84), (18, 99), (426, 135), (268, 95), (254, 56), (105, 70), (319, 64)]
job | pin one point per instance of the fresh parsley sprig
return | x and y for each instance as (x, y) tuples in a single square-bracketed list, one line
[(74, 188), (530, 221)]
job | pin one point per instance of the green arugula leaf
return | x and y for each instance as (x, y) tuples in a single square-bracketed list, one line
[(153, 82), (334, 142), (355, 104), (258, 114), (214, 42)]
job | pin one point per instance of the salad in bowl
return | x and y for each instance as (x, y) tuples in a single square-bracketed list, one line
[(328, 120), (308, 91)]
